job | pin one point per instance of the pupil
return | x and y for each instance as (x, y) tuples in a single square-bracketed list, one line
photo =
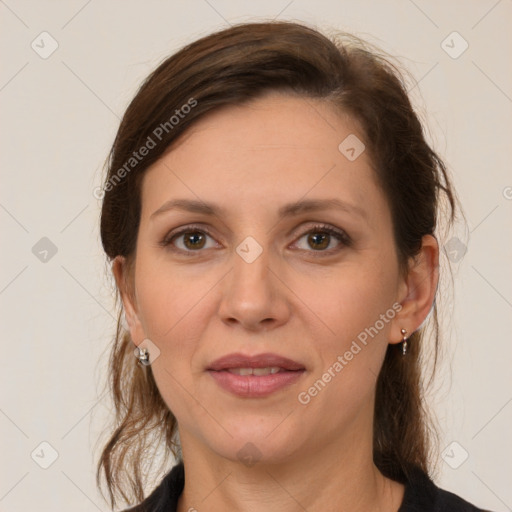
[(193, 238), (315, 238)]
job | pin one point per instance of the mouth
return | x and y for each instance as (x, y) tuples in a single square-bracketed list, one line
[(255, 376), (272, 363), (269, 370)]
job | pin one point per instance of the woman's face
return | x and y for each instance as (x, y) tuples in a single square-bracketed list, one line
[(251, 280)]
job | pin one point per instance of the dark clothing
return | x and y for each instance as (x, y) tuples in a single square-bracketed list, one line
[(421, 495)]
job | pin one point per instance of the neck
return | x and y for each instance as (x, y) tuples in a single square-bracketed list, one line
[(324, 478)]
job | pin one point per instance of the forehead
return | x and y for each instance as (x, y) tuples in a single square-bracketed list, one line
[(275, 121), (275, 149)]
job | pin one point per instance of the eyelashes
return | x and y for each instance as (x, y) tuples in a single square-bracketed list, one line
[(327, 232)]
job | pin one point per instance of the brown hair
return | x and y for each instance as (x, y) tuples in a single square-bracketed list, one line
[(230, 67)]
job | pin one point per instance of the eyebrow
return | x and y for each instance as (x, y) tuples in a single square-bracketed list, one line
[(288, 210)]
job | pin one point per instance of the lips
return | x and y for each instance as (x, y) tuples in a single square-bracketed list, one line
[(255, 376), (267, 360)]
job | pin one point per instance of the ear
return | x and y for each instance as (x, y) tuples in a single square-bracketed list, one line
[(125, 285), (417, 290)]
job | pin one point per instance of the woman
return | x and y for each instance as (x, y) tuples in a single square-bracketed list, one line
[(270, 214)]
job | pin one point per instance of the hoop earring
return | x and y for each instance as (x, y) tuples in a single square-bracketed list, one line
[(404, 341), (143, 356)]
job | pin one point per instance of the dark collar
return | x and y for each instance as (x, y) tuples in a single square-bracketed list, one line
[(421, 495)]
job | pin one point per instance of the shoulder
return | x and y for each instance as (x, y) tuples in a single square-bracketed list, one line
[(164, 497), (422, 495)]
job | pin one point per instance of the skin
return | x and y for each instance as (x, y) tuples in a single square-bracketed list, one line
[(293, 300)]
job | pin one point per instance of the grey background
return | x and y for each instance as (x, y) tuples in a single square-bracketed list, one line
[(59, 117)]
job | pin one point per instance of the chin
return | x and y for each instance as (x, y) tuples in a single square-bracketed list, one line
[(252, 445)]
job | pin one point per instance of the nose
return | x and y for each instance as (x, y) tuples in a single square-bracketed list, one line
[(253, 296)]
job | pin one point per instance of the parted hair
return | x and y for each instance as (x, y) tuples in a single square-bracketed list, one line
[(233, 66)]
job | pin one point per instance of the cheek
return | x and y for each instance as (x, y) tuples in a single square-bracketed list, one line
[(351, 300), (169, 296), (173, 316), (168, 317), (359, 311)]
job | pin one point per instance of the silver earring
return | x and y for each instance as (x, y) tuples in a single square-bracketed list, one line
[(404, 341), (143, 356)]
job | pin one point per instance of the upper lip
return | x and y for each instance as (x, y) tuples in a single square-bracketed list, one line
[(266, 360)]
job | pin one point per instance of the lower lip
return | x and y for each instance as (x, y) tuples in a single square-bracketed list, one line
[(254, 386)]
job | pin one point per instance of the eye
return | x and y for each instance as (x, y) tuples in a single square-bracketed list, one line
[(189, 239), (320, 237), (194, 238)]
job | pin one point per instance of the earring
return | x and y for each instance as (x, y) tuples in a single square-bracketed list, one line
[(404, 341), (143, 356)]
